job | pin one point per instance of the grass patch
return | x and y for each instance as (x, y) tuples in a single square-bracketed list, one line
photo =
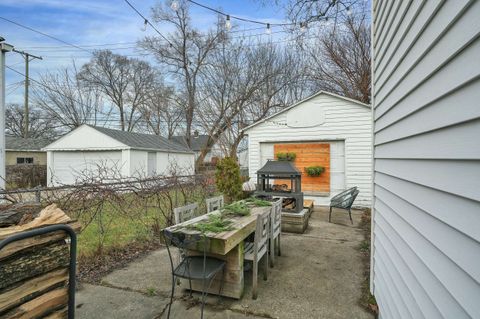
[(367, 300)]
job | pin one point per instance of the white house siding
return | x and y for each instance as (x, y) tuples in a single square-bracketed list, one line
[(183, 163), (426, 222), (344, 122)]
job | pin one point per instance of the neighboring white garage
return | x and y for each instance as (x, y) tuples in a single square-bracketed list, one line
[(111, 154), (325, 130)]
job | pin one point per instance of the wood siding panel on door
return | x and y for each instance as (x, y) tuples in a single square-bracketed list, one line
[(310, 154), (426, 214)]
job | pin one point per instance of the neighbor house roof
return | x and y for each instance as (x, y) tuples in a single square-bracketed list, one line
[(197, 143), (142, 141), (25, 144), (304, 100)]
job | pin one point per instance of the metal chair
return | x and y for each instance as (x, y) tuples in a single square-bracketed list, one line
[(257, 249), (184, 213), (275, 230), (192, 267), (214, 203), (344, 200)]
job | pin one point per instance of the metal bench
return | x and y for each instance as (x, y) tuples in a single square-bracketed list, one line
[(344, 200)]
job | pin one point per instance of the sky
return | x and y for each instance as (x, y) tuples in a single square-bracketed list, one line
[(96, 24)]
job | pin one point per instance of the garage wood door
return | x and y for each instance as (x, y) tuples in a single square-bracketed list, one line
[(310, 154), (67, 166)]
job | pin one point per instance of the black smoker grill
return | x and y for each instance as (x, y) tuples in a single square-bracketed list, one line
[(278, 171)]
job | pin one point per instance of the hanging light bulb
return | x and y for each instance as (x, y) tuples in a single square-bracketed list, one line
[(174, 5), (269, 30), (303, 27), (327, 22), (228, 23), (349, 11), (145, 24)]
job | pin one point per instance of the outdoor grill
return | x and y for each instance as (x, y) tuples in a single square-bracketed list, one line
[(281, 179)]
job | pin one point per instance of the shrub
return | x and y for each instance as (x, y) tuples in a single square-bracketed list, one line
[(314, 171), (227, 178), (286, 156)]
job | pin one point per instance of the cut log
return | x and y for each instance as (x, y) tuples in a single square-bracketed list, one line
[(33, 262), (59, 314), (16, 295), (35, 241), (41, 306), (16, 214), (50, 215)]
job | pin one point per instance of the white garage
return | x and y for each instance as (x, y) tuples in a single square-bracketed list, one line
[(324, 130), (111, 154)]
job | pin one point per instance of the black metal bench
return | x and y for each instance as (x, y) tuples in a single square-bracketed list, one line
[(344, 200)]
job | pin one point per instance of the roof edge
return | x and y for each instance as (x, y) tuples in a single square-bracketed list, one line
[(305, 100)]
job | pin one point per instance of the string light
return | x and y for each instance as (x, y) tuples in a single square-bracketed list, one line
[(303, 27), (145, 24), (349, 12), (269, 30), (228, 23), (174, 5)]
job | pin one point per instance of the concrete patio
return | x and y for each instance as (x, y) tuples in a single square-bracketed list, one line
[(319, 275)]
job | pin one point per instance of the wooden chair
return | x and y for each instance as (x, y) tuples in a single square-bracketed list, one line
[(344, 200), (257, 249), (184, 213), (214, 203), (275, 230)]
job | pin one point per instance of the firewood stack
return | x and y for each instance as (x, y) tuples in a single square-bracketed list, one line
[(34, 271)]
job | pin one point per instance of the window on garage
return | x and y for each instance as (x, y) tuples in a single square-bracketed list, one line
[(24, 160)]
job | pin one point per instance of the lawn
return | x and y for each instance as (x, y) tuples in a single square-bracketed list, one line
[(138, 220)]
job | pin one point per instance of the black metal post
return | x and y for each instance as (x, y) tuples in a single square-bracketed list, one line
[(73, 256)]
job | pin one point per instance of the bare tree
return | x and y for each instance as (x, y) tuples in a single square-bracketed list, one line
[(242, 84), (184, 55), (340, 60), (40, 125), (162, 111), (125, 81), (66, 101)]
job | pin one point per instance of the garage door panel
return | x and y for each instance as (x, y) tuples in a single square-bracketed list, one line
[(68, 166)]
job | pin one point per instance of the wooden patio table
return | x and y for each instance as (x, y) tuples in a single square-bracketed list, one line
[(228, 246)]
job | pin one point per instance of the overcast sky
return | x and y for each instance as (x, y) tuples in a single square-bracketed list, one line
[(89, 23)]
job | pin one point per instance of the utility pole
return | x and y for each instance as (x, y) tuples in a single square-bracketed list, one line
[(27, 57), (4, 48)]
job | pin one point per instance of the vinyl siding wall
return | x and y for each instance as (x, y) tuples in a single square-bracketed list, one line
[(344, 122), (426, 97)]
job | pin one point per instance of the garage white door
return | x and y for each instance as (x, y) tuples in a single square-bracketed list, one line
[(67, 167)]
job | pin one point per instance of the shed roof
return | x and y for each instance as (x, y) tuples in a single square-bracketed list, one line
[(13, 143), (197, 143), (142, 141), (304, 100)]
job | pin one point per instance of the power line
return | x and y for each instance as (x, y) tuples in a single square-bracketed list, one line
[(44, 34), (148, 22), (240, 18)]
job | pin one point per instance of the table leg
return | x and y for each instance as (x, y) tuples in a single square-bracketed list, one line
[(233, 279)]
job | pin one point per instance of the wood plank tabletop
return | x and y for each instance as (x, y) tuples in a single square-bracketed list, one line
[(221, 243)]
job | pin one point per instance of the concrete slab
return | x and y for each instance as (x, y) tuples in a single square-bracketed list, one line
[(182, 311), (149, 274), (103, 302), (319, 275), (312, 279)]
